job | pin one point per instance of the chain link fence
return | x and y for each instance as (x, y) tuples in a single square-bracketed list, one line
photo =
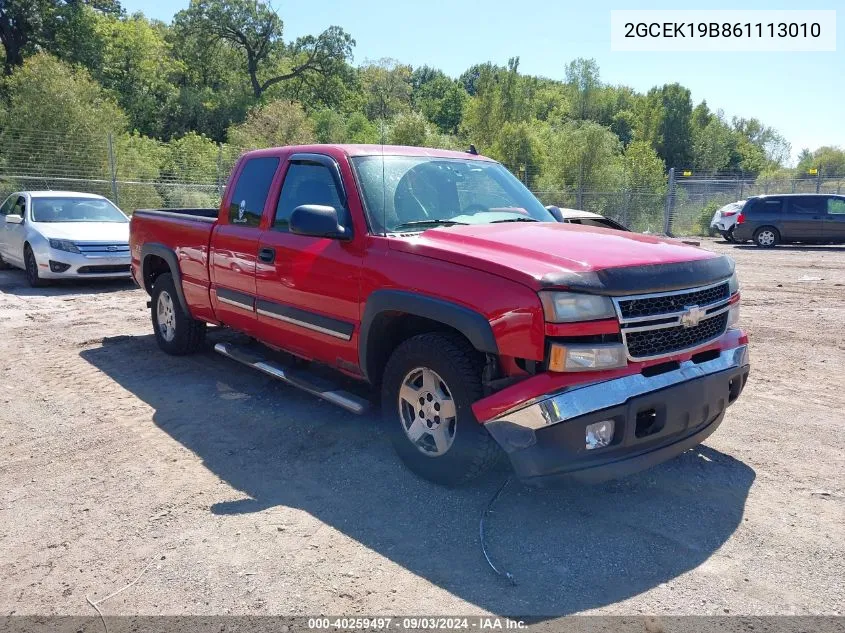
[(137, 172)]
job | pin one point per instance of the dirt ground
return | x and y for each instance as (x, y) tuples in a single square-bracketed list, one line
[(249, 497)]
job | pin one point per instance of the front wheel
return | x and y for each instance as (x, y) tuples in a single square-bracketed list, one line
[(428, 387), (175, 331), (31, 267), (766, 237)]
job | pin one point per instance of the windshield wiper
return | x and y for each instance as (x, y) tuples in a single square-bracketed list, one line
[(514, 220), (424, 223)]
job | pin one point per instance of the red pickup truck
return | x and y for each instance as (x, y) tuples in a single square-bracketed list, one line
[(436, 279)]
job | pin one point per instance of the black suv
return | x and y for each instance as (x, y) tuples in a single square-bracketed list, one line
[(808, 218)]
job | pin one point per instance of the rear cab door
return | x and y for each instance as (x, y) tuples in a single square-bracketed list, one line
[(234, 242), (308, 288)]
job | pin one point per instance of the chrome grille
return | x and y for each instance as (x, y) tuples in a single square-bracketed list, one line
[(103, 249), (664, 323), (663, 303), (668, 340)]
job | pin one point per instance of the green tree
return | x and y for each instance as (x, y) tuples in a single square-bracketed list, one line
[(255, 29), (276, 124), (138, 66), (830, 161), (410, 128), (386, 85), (581, 156), (62, 27), (582, 77), (664, 120), (518, 148), (58, 119)]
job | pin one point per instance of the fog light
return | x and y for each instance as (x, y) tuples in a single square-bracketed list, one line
[(586, 357), (599, 434), (58, 267)]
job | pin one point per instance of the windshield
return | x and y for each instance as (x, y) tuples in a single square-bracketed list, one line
[(408, 193), (75, 210)]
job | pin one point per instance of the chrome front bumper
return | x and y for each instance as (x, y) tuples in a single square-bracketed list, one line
[(545, 439), (581, 400)]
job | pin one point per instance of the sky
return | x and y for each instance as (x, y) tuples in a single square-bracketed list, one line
[(802, 95)]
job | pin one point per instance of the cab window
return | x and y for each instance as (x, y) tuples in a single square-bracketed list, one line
[(251, 191), (307, 183), (6, 209)]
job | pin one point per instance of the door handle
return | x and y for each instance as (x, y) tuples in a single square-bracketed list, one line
[(267, 255)]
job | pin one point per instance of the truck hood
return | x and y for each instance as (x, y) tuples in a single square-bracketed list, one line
[(588, 259), (113, 232)]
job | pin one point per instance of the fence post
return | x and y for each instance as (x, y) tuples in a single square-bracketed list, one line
[(113, 170), (220, 170), (580, 194), (670, 199), (818, 179)]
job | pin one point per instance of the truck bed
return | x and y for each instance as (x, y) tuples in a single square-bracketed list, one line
[(196, 213), (185, 232)]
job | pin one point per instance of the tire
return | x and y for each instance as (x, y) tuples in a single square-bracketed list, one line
[(176, 332), (729, 236), (766, 237), (31, 268), (439, 368)]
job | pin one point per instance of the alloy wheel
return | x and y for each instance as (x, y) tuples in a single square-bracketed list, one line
[(427, 412), (166, 316)]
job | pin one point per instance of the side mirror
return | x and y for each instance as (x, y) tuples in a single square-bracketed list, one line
[(14, 219), (556, 213), (318, 220)]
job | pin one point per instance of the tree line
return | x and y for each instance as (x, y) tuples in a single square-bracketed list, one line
[(222, 72)]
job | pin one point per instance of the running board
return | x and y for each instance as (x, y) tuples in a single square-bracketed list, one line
[(312, 384)]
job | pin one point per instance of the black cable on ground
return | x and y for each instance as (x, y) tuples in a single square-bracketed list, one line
[(487, 510)]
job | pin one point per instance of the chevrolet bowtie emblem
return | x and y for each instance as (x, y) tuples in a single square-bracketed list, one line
[(692, 316)]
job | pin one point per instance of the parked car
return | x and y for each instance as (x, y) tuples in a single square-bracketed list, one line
[(437, 279), (584, 218), (725, 217), (64, 234), (808, 218)]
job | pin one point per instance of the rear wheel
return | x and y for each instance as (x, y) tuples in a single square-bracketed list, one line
[(428, 387), (31, 267), (766, 237), (175, 331)]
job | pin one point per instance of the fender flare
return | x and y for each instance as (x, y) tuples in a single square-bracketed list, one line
[(473, 325), (168, 255)]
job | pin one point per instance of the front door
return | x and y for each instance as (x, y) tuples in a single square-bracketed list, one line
[(14, 235), (835, 222), (234, 245), (5, 209), (308, 287)]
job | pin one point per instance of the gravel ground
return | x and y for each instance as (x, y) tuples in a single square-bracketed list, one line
[(249, 497)]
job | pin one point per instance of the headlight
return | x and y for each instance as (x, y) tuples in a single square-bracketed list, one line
[(733, 284), (566, 307), (586, 357), (64, 245)]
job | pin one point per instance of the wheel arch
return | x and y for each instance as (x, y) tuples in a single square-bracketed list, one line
[(392, 316), (156, 260)]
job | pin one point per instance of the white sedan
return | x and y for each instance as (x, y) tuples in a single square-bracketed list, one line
[(724, 220), (64, 234)]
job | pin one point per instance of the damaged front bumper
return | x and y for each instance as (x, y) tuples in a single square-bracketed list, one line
[(655, 418)]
